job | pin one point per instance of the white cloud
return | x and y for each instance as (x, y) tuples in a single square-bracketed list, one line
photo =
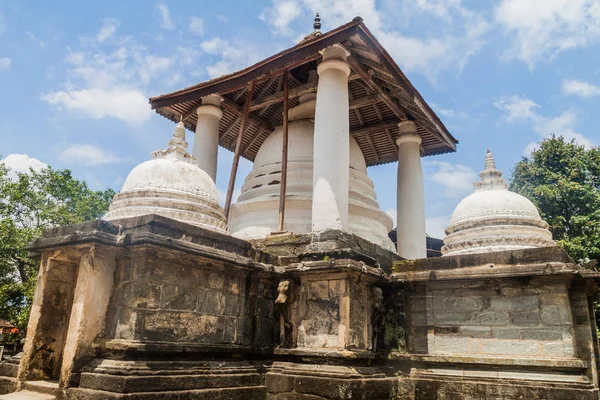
[(35, 38), (110, 76), (456, 178), (126, 104), (542, 29), (108, 29), (232, 57), (87, 154), (517, 107), (580, 88), (453, 38), (281, 14), (165, 16), (5, 63), (521, 108), (436, 226), (197, 26), (22, 163)]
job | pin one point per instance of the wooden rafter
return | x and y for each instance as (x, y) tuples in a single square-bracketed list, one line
[(230, 127), (365, 129), (368, 79), (235, 108)]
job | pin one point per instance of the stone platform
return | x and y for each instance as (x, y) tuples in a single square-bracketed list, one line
[(149, 308)]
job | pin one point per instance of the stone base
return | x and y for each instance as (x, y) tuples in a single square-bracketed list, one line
[(113, 379)]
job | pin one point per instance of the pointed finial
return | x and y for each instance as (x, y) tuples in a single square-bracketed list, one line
[(490, 163), (178, 139), (317, 24)]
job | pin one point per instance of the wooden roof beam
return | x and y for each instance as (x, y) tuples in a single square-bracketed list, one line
[(375, 87), (385, 124), (363, 101), (293, 93), (237, 109)]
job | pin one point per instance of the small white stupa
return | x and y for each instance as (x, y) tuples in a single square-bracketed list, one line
[(171, 185), (494, 219)]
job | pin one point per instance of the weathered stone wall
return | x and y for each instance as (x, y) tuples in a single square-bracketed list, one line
[(521, 317), (334, 312), (49, 318), (169, 296)]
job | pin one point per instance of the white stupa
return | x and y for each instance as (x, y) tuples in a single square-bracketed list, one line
[(494, 219), (255, 215), (171, 185)]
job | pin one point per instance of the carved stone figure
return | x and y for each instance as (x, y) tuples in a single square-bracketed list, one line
[(282, 302)]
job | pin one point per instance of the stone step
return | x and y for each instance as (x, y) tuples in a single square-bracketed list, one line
[(45, 387), (161, 383), (7, 384), (27, 395), (239, 393), (8, 369)]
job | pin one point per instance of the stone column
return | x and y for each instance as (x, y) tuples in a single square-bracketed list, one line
[(331, 173), (206, 143), (411, 196)]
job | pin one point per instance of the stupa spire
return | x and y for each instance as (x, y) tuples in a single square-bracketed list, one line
[(491, 177), (177, 146), (178, 138)]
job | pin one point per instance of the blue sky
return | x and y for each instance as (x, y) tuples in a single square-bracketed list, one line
[(75, 77)]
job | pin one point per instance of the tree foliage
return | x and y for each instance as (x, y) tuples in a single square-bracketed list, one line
[(30, 203), (562, 178)]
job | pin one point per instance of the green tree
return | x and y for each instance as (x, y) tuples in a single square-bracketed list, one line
[(30, 203), (562, 178)]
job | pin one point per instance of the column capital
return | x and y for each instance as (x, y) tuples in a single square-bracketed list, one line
[(213, 99), (210, 109), (408, 133), (335, 52)]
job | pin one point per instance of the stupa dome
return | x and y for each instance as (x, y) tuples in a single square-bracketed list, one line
[(255, 214), (494, 219), (170, 185)]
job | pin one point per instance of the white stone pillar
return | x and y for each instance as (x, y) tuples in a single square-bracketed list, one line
[(206, 142), (411, 194), (331, 160)]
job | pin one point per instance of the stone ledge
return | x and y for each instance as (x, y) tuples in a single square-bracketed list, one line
[(154, 230), (543, 261), (555, 363), (134, 346), (333, 244)]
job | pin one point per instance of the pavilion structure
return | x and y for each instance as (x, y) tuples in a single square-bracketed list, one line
[(361, 93), (295, 291)]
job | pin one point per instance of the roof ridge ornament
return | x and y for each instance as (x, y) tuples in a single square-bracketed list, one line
[(317, 24), (491, 177)]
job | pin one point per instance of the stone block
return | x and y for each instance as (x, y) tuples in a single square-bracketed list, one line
[(216, 280), (211, 302), (178, 298), (506, 333), (451, 344), (441, 304), (555, 315), (490, 318), (140, 294), (542, 333), (475, 331), (517, 303), (279, 383), (525, 318), (511, 347), (558, 349), (418, 319), (417, 305), (452, 318)]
